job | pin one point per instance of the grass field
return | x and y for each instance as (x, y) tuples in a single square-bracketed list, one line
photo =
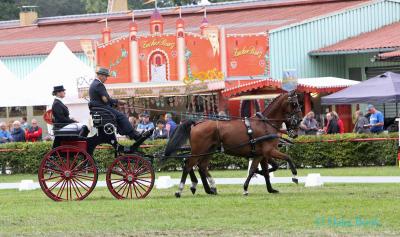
[(332, 210), (357, 171)]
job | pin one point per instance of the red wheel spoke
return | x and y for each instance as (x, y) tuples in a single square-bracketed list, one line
[(130, 188), (119, 185), (85, 170), (117, 173), (72, 184), (55, 184), (143, 180), (67, 164), (141, 186), (79, 191), (82, 184), (122, 167), (52, 170), (117, 181), (51, 178), (75, 159), (126, 186), (59, 167), (74, 169), (125, 183), (60, 159), (129, 165), (84, 177), (61, 190), (137, 189)]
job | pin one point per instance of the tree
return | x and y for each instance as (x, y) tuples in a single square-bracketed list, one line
[(8, 10), (95, 6)]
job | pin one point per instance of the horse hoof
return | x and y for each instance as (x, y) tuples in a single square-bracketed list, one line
[(177, 195), (273, 191), (193, 190), (295, 180), (213, 191), (245, 193)]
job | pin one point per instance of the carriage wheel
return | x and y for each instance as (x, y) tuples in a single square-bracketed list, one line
[(130, 177), (67, 173)]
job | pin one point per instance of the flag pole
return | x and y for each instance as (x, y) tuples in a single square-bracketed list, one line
[(180, 12), (133, 16), (205, 12)]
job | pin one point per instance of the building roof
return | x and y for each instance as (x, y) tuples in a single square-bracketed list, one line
[(384, 39), (316, 84), (237, 18), (390, 56)]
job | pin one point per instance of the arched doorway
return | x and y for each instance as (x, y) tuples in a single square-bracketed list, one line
[(158, 67)]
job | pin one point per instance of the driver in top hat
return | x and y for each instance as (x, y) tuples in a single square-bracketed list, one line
[(99, 97)]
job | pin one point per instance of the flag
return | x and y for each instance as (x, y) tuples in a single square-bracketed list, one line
[(102, 20), (148, 1)]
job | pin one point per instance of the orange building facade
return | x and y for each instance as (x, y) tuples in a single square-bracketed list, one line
[(199, 61)]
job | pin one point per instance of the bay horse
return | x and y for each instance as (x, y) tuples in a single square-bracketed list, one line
[(234, 136)]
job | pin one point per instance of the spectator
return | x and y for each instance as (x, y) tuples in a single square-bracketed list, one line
[(145, 123), (24, 123), (376, 120), (160, 132), (170, 124), (5, 135), (332, 126), (361, 122), (133, 120), (339, 121), (34, 133), (17, 133), (309, 125)]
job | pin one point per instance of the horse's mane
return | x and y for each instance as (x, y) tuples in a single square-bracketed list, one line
[(273, 102)]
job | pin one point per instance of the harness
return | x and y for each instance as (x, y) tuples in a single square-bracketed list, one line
[(252, 141)]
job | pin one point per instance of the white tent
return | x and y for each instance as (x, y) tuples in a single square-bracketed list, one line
[(61, 67), (9, 84)]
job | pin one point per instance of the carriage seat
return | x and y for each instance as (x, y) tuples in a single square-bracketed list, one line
[(101, 117), (71, 130)]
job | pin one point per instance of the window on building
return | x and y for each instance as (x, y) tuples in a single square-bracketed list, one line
[(157, 28), (17, 111), (355, 73), (39, 110)]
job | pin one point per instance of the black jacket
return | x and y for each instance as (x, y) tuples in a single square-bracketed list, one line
[(333, 127), (96, 91), (60, 114)]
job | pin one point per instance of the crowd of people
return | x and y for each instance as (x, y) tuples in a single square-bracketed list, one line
[(20, 131), (372, 122), (163, 129)]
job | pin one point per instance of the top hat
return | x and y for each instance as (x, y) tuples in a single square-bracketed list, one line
[(58, 89), (103, 71)]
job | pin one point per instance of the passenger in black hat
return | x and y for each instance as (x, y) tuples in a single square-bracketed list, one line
[(99, 97), (60, 110)]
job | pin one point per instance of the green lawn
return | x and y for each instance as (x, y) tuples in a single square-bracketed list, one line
[(361, 171), (296, 211)]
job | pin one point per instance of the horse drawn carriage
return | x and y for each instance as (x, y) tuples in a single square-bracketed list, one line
[(69, 171)]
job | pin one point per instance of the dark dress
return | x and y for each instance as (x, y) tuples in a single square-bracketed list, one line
[(333, 127), (96, 91), (18, 135), (60, 114)]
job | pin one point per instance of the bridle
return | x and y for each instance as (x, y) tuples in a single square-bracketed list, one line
[(293, 119)]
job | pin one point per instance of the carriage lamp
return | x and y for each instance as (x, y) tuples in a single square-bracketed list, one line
[(96, 119)]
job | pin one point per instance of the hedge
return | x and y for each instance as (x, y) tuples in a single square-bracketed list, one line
[(308, 151)]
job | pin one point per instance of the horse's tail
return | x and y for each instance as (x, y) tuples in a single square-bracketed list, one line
[(179, 137)]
